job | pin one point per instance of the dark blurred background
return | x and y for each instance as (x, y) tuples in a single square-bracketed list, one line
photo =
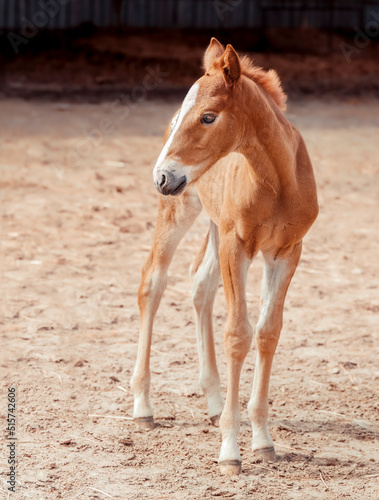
[(91, 49)]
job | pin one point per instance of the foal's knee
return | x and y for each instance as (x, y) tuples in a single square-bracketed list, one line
[(153, 282), (237, 340), (267, 336)]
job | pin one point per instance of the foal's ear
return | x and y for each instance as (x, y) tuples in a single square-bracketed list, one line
[(230, 66), (213, 52)]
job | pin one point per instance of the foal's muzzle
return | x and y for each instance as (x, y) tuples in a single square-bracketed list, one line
[(166, 183)]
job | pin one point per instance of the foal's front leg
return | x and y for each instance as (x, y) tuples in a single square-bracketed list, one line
[(237, 340), (175, 217), (277, 276)]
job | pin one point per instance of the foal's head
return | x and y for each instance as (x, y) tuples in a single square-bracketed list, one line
[(212, 120)]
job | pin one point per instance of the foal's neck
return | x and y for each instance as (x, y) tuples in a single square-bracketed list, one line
[(269, 145)]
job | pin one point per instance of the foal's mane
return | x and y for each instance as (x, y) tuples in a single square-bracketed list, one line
[(268, 79)]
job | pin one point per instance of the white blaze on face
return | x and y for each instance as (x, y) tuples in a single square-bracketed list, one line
[(188, 104)]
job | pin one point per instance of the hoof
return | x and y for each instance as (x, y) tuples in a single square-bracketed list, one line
[(146, 423), (268, 454), (230, 467), (215, 420)]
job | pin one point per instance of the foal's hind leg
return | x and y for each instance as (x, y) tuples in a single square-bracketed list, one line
[(206, 271), (276, 279), (175, 217)]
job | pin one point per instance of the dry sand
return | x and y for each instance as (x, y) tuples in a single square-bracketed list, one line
[(75, 231)]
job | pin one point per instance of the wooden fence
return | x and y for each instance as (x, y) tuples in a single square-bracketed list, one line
[(196, 14)]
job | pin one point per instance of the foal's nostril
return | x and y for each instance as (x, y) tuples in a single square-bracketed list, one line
[(163, 181)]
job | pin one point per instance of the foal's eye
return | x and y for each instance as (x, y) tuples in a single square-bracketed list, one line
[(207, 119)]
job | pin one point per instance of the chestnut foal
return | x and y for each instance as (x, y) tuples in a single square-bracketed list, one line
[(231, 150)]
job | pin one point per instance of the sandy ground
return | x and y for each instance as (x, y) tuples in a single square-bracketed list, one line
[(77, 222)]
